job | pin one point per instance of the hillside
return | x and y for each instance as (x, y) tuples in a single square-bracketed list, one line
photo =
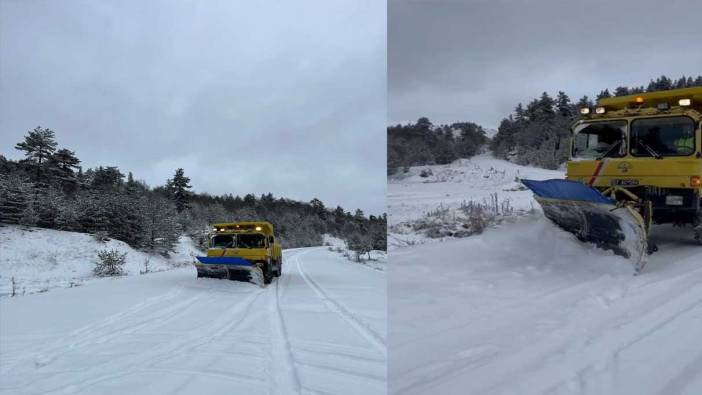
[(444, 189), (40, 259)]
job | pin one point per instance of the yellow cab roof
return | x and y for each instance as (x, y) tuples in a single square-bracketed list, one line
[(247, 226), (652, 99)]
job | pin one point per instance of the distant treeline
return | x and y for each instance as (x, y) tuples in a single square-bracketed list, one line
[(537, 134), (427, 144), (49, 189)]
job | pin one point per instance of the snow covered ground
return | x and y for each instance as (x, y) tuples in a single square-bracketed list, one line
[(376, 259), (42, 259), (411, 197), (318, 329), (525, 308)]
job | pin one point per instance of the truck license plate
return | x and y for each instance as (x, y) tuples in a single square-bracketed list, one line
[(624, 182), (672, 200)]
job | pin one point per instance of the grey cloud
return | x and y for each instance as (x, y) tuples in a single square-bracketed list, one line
[(474, 60), (253, 97)]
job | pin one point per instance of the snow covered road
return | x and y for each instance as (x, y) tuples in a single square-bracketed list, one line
[(527, 309), (319, 329)]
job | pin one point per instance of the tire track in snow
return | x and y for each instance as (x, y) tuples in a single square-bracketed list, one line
[(173, 349), (286, 377), (144, 361), (583, 356), (91, 333), (335, 349), (362, 329)]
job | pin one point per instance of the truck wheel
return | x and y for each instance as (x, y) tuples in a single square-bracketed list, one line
[(698, 228), (278, 269), (267, 273)]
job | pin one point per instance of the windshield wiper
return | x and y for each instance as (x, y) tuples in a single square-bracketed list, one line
[(650, 150), (611, 147)]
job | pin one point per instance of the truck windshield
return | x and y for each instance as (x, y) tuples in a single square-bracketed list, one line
[(251, 241), (599, 140), (670, 136), (222, 241)]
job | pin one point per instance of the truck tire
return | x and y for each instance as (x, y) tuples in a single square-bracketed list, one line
[(698, 229), (278, 269), (267, 273)]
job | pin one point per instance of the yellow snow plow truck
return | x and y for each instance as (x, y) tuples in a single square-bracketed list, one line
[(635, 161), (244, 251)]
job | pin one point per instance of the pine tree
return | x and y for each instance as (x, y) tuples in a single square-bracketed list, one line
[(178, 189), (584, 102), (621, 91), (107, 178), (38, 146), (637, 90), (681, 82), (424, 123), (519, 114), (664, 83), (63, 164), (16, 201), (161, 229), (604, 94), (563, 105)]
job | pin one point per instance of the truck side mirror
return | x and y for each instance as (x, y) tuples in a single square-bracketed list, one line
[(271, 240)]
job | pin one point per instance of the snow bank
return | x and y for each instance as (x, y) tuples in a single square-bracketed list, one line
[(41, 259), (481, 180)]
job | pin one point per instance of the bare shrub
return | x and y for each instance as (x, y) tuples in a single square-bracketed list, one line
[(470, 218)]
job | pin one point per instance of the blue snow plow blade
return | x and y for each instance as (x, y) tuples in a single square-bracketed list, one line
[(566, 190), (594, 218), (224, 260)]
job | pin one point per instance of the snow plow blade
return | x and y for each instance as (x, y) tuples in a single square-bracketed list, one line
[(593, 217), (232, 268)]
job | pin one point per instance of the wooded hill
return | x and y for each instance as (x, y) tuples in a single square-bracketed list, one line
[(49, 188)]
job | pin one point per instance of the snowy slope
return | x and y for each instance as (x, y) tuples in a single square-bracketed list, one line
[(526, 309), (378, 259), (319, 329), (411, 196), (42, 259)]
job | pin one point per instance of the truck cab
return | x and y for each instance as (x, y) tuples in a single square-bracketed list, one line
[(648, 145)]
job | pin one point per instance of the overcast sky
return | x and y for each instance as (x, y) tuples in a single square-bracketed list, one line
[(246, 96), (475, 60)]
